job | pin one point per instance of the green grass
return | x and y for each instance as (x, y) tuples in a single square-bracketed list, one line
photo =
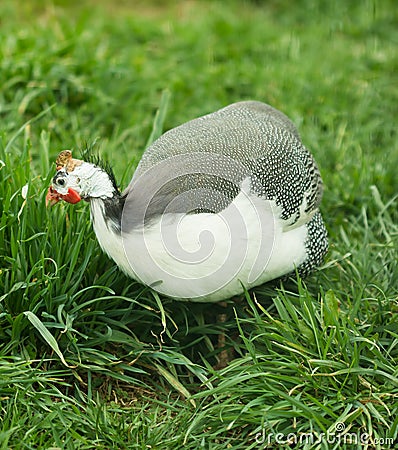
[(91, 359)]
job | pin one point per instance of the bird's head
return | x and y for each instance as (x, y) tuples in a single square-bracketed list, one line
[(77, 179)]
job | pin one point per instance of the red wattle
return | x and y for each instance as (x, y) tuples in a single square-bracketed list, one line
[(71, 197)]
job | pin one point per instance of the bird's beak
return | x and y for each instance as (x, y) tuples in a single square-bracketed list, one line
[(54, 197)]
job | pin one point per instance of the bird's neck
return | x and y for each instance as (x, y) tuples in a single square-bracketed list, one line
[(107, 212), (106, 215), (100, 190)]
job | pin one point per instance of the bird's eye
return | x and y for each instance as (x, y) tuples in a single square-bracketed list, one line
[(61, 182)]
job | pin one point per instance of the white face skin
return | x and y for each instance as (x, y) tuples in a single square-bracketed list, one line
[(88, 180)]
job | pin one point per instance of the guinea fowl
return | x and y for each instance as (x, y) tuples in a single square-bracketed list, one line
[(222, 203)]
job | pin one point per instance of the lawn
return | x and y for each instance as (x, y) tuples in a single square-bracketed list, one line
[(91, 359)]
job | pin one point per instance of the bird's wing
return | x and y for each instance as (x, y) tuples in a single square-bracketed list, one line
[(200, 166)]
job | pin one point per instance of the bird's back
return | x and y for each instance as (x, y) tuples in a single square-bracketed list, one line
[(199, 166)]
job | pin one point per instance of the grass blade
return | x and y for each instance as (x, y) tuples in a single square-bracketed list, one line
[(46, 335)]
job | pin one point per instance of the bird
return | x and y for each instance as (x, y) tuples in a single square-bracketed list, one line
[(216, 206)]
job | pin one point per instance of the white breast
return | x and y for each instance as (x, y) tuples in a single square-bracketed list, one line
[(110, 242), (207, 257)]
